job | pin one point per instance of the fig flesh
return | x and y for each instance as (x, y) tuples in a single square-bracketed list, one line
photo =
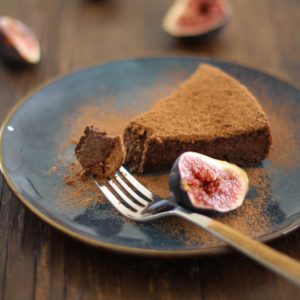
[(17, 42), (200, 182), (190, 18)]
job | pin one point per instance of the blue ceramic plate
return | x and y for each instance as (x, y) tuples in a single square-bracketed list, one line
[(35, 128)]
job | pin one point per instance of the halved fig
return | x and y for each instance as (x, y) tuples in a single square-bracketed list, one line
[(200, 182), (17, 42), (190, 18)]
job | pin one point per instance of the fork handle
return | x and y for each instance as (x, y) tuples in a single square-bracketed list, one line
[(272, 259)]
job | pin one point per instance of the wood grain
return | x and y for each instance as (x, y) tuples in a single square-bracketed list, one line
[(36, 262), (282, 264)]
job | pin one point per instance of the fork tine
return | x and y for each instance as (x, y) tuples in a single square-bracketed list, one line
[(138, 186), (130, 191), (123, 196), (115, 201)]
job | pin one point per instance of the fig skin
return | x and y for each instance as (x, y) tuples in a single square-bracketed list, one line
[(179, 19), (178, 194), (181, 193), (18, 44)]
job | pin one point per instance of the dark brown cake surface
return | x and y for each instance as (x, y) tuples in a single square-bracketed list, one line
[(211, 113), (99, 154)]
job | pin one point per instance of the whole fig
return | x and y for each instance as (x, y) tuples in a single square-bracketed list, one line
[(193, 18), (17, 42)]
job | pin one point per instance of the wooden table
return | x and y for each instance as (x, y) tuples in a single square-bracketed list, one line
[(37, 262)]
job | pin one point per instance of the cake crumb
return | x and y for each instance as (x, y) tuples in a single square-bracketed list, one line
[(53, 169), (74, 141), (82, 175), (68, 180)]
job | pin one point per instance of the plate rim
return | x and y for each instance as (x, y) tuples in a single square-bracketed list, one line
[(207, 251)]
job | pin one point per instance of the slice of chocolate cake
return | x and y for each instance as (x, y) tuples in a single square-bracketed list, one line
[(99, 154), (211, 113)]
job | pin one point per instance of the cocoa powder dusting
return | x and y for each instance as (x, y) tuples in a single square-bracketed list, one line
[(285, 145), (77, 190), (251, 218)]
